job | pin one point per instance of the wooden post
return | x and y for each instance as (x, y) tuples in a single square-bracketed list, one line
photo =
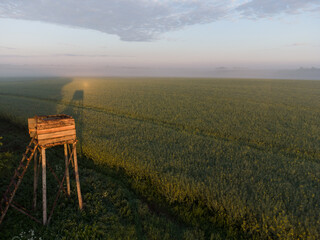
[(76, 171), (35, 179), (67, 168), (44, 186)]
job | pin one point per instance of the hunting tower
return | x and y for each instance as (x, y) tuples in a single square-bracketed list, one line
[(45, 132)]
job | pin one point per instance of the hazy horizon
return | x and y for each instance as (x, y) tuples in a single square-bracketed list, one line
[(211, 38), (11, 71)]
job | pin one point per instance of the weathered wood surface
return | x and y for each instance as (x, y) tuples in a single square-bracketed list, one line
[(52, 129), (76, 173), (53, 117), (44, 186), (54, 123), (32, 126), (35, 179), (56, 134), (67, 139), (57, 129), (67, 168)]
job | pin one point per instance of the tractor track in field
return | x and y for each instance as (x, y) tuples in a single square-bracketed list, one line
[(177, 127)]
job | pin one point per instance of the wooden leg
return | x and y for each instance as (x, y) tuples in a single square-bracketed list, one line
[(35, 179), (76, 171), (67, 168), (44, 186)]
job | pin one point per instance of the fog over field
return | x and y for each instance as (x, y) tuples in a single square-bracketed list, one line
[(219, 72)]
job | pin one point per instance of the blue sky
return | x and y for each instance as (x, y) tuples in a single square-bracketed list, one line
[(142, 37)]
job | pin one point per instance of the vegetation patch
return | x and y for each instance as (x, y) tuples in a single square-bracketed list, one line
[(239, 155), (111, 210)]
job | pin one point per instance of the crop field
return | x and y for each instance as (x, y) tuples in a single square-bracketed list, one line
[(242, 154)]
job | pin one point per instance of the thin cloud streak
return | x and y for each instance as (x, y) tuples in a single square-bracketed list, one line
[(303, 44), (145, 20), (299, 45), (7, 48), (64, 55), (92, 55)]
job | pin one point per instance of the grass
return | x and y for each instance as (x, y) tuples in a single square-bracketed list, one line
[(112, 210), (240, 155)]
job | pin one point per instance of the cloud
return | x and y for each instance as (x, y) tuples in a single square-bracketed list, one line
[(268, 8), (144, 20), (131, 20)]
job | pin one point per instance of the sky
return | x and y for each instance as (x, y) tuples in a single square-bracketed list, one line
[(158, 37)]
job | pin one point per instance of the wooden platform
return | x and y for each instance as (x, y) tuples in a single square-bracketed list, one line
[(52, 130)]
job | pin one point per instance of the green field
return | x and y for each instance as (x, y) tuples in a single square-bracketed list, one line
[(111, 209), (237, 154)]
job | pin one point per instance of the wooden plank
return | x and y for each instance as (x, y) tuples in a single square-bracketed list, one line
[(32, 133), (31, 123), (60, 143), (67, 168), (35, 179), (57, 140), (54, 120), (76, 173), (56, 134), (57, 129), (39, 120), (32, 126), (44, 187), (48, 122), (54, 124)]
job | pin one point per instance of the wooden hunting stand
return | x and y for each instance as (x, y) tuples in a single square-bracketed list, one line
[(46, 132)]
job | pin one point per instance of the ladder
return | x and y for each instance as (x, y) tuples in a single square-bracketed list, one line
[(15, 182)]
